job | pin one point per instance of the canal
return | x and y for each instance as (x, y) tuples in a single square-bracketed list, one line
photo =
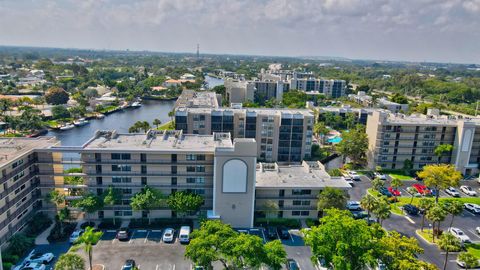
[(212, 81), (119, 121)]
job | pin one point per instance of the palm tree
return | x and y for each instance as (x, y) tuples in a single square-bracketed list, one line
[(454, 208), (396, 183), (145, 126), (382, 210), (156, 122), (5, 105), (89, 238), (424, 204), (377, 184), (369, 203), (442, 149), (171, 114), (448, 242), (468, 259), (111, 197), (58, 199), (436, 214)]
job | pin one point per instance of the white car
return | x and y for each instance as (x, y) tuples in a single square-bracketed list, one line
[(355, 176), (462, 264), (468, 190), (353, 205), (380, 176), (75, 235), (168, 235), (39, 257), (33, 266), (452, 192), (460, 235), (477, 229), (472, 207)]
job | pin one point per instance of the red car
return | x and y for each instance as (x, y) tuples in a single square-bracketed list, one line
[(422, 189), (395, 192)]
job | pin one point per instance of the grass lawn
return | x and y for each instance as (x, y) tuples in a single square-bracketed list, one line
[(167, 126), (405, 200), (395, 208), (474, 249), (108, 109), (401, 176), (374, 192), (426, 234)]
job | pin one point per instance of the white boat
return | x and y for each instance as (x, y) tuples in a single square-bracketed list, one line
[(67, 127), (136, 104), (100, 116), (81, 122)]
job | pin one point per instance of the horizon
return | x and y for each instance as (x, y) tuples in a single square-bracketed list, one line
[(444, 31)]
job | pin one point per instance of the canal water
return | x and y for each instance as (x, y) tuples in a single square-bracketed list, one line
[(212, 81), (119, 121)]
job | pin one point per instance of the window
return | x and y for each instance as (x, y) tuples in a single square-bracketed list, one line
[(196, 191), (296, 202), (125, 213), (121, 168), (190, 157), (17, 163), (174, 181), (127, 191), (121, 179), (121, 156), (18, 176), (200, 168), (190, 168), (144, 180), (301, 192), (195, 180)]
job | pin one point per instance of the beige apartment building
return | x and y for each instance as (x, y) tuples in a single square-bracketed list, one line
[(22, 163), (394, 138), (283, 135)]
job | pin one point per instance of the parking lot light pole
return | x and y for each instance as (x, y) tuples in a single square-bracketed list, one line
[(1, 262)]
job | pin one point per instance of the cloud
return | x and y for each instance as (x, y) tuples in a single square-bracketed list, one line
[(387, 29)]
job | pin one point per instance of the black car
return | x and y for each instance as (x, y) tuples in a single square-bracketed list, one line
[(283, 233), (292, 265), (410, 209), (272, 233)]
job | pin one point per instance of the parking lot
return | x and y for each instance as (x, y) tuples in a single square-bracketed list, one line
[(150, 252)]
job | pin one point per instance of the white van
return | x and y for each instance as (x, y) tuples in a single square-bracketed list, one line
[(184, 234)]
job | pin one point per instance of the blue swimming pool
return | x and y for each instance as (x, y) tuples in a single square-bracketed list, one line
[(335, 139)]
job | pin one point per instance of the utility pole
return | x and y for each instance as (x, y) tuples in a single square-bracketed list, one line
[(198, 56)]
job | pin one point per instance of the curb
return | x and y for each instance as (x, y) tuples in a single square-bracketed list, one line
[(423, 238)]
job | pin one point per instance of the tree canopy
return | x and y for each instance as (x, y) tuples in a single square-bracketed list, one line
[(56, 96), (354, 145), (184, 202)]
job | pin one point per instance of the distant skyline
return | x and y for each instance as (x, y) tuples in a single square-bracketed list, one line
[(408, 30)]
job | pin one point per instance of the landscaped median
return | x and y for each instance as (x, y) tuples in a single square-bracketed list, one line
[(426, 235), (407, 200), (395, 207)]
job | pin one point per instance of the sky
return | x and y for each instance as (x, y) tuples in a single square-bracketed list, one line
[(404, 30)]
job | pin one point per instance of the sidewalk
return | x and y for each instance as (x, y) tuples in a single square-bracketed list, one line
[(42, 238)]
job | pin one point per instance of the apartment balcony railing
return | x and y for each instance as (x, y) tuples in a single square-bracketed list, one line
[(126, 173), (139, 162), (17, 198), (17, 170), (287, 197), (13, 216), (17, 184)]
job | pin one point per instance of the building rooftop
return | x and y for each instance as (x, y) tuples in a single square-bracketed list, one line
[(262, 111), (444, 120), (153, 140), (306, 175), (192, 99), (346, 109), (12, 148)]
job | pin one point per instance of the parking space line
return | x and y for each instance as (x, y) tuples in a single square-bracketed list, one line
[(131, 237), (291, 237), (173, 267), (263, 234), (146, 237), (470, 213), (156, 267), (474, 233), (409, 219)]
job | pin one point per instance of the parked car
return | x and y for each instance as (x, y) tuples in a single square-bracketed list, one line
[(452, 192), (168, 235), (468, 190), (39, 257), (380, 176), (412, 191), (477, 229), (394, 192), (353, 205), (292, 264), (272, 233), (184, 235), (359, 214), (422, 189), (410, 209), (472, 207), (384, 191), (462, 264), (129, 265), (355, 176), (75, 235), (460, 235), (123, 234), (33, 266), (283, 233)]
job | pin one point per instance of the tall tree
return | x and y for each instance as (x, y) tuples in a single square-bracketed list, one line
[(448, 243), (70, 261), (156, 122), (424, 204), (89, 238), (184, 202), (56, 96), (58, 199), (377, 184), (369, 203), (439, 177), (436, 214), (354, 145), (396, 251), (275, 255), (111, 198), (382, 210), (396, 183), (454, 208), (332, 198), (442, 149), (468, 259), (90, 203), (147, 200)]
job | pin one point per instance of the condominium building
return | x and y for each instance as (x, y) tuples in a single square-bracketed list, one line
[(330, 88), (365, 100), (361, 114), (283, 135), (224, 172), (22, 162), (394, 138), (258, 91), (198, 99)]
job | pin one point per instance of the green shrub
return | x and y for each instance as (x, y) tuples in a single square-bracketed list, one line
[(11, 258), (57, 234), (7, 265), (312, 222), (19, 244), (287, 222), (107, 223)]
